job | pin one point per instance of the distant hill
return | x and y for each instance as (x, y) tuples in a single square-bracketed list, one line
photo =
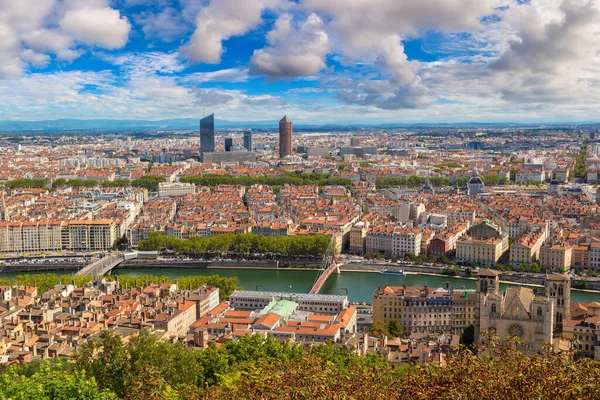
[(190, 123)]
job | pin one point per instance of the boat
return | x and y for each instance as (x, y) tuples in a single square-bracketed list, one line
[(385, 271)]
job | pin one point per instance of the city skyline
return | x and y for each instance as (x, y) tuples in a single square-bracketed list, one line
[(319, 61)]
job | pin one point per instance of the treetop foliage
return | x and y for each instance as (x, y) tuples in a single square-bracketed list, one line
[(246, 243), (254, 367)]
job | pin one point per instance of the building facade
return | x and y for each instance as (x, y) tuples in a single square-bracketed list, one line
[(248, 140), (207, 135), (285, 137)]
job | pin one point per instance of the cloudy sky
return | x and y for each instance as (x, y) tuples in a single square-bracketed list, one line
[(353, 61)]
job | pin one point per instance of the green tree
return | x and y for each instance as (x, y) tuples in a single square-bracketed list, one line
[(378, 328), (535, 267), (395, 328)]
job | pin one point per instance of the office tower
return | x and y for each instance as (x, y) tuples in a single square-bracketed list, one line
[(228, 144), (248, 139), (207, 134), (355, 142), (285, 137)]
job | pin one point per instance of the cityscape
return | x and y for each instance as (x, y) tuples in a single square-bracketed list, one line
[(313, 199)]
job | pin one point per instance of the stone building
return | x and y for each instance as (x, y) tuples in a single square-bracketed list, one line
[(516, 312)]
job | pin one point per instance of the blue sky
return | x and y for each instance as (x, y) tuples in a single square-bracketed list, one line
[(319, 61)]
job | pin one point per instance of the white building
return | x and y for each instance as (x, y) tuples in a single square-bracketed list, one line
[(177, 189)]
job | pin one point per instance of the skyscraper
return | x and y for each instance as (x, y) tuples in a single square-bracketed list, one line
[(285, 137), (228, 144), (248, 139), (207, 134)]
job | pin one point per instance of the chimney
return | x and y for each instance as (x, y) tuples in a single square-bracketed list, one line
[(426, 289), (365, 343), (447, 285)]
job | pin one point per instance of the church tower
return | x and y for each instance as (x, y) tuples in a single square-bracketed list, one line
[(488, 281), (558, 288)]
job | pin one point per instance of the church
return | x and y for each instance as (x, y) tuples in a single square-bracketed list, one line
[(534, 316)]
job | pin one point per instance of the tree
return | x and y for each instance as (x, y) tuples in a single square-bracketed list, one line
[(467, 337), (378, 328), (51, 382), (395, 328), (535, 267)]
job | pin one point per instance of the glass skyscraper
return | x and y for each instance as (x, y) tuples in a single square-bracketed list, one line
[(248, 139), (207, 134)]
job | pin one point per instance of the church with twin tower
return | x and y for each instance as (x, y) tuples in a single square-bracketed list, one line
[(535, 316)]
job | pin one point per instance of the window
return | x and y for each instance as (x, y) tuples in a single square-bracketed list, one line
[(494, 308), (539, 312)]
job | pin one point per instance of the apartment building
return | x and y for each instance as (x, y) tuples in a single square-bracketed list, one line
[(465, 304), (30, 237), (175, 189), (484, 244), (557, 256), (444, 242), (89, 235), (419, 309), (526, 249), (358, 236), (406, 241), (480, 251)]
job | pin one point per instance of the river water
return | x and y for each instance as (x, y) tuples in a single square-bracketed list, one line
[(359, 285)]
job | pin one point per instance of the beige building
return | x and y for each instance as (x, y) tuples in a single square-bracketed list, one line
[(484, 244), (176, 189), (35, 237), (518, 312), (554, 257), (526, 249), (419, 309), (465, 304), (406, 241), (30, 237), (480, 251), (358, 235), (89, 235)]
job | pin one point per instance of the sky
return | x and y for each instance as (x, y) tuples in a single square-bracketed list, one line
[(318, 61)]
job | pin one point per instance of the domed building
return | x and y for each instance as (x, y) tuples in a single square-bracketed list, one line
[(475, 185), (427, 188)]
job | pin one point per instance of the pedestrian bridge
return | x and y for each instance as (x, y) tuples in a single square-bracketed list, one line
[(326, 273), (328, 265), (102, 266)]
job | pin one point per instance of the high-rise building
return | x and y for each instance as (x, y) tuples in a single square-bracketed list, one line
[(228, 144), (248, 139), (207, 134), (285, 137)]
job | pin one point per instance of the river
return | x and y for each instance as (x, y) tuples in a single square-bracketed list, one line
[(360, 285)]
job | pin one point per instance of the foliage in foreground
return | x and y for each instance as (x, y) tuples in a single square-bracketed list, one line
[(256, 368)]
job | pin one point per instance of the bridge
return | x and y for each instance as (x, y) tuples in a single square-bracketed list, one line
[(328, 265), (101, 266)]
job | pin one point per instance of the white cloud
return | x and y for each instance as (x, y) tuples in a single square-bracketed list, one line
[(232, 75), (31, 30), (38, 60), (293, 52), (103, 27), (219, 21), (166, 25), (144, 64)]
